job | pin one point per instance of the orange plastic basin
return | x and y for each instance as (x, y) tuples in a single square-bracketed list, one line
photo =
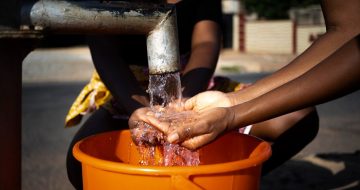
[(110, 161)]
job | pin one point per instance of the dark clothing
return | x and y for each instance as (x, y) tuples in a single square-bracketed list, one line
[(189, 12)]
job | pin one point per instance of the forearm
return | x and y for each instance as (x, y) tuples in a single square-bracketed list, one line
[(334, 77), (200, 68), (205, 48)]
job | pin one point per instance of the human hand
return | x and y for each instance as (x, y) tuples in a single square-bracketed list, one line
[(141, 131), (191, 129), (200, 128), (142, 119), (207, 100)]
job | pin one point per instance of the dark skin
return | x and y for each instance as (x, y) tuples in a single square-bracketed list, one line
[(334, 77), (313, 87), (303, 82), (205, 49)]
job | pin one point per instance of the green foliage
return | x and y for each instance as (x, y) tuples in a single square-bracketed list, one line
[(275, 9), (231, 69)]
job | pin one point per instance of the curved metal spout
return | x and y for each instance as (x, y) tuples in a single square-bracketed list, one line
[(157, 21)]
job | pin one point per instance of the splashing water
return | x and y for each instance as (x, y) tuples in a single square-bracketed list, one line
[(164, 88), (165, 101)]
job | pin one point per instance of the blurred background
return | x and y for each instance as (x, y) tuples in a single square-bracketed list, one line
[(259, 38)]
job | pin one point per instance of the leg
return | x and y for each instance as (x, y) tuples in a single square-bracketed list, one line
[(100, 121), (289, 134)]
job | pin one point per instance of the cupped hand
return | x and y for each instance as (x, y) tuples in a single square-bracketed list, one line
[(191, 129), (202, 128), (146, 115), (207, 100), (143, 131)]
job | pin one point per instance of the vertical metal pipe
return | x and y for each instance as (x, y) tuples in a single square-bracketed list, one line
[(163, 47)]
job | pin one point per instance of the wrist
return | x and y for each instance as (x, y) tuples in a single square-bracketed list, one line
[(232, 98), (230, 118)]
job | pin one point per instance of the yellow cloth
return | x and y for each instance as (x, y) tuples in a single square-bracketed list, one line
[(95, 94), (91, 97)]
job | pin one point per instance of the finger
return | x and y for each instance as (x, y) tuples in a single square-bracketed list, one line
[(145, 115), (182, 133), (162, 126), (198, 141), (190, 103), (149, 117), (136, 117), (184, 99), (176, 105)]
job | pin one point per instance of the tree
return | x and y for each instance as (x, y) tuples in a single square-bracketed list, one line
[(275, 9)]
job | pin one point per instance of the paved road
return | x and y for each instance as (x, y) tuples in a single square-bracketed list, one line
[(44, 138)]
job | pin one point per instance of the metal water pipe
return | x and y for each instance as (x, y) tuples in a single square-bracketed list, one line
[(157, 21)]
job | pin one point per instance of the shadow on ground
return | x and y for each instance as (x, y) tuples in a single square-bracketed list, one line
[(322, 171)]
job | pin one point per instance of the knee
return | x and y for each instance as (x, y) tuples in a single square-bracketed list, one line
[(305, 121), (310, 124), (305, 127)]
